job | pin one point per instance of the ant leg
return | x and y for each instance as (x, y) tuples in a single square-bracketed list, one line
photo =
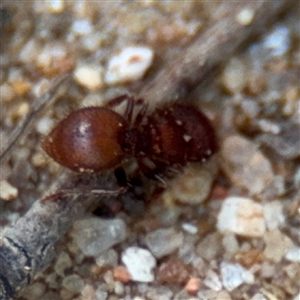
[(120, 99), (139, 117), (117, 100)]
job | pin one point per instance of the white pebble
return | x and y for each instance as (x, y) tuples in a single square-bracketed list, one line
[(129, 65), (212, 281), (293, 254), (233, 275), (95, 235), (278, 41), (56, 6), (273, 214), (189, 228), (139, 263), (44, 125), (242, 216), (89, 76), (245, 16), (82, 27), (7, 191)]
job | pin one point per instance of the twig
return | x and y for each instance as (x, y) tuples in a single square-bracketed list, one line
[(223, 35), (27, 246)]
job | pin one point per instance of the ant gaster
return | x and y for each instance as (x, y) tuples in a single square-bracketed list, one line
[(94, 139)]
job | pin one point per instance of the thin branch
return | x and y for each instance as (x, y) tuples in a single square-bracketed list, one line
[(27, 246)]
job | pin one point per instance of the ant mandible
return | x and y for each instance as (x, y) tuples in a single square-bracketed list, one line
[(94, 139)]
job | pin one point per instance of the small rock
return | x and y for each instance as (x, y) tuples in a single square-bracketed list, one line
[(286, 143), (246, 165), (73, 283), (293, 254), (241, 216), (223, 295), (121, 274), (139, 263), (173, 271), (56, 6), (193, 285), (278, 40), (35, 291), (82, 27), (129, 65), (233, 275), (212, 281), (158, 293), (276, 245), (89, 76), (7, 191), (94, 235), (210, 247), (6, 92), (189, 228), (163, 241), (44, 125), (108, 258), (192, 186), (273, 214), (63, 262), (234, 75), (88, 293), (258, 296)]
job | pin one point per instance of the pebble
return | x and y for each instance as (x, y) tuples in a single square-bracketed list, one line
[(234, 76), (210, 247), (173, 271), (242, 216), (35, 291), (258, 296), (273, 214), (82, 27), (212, 281), (233, 275), (293, 254), (278, 40), (63, 262), (163, 241), (193, 285), (73, 283), (7, 191), (158, 293), (129, 65), (94, 235), (189, 228), (276, 245), (139, 263), (56, 6), (108, 258), (190, 187), (121, 274), (88, 293), (6, 92), (246, 165), (245, 16), (44, 125), (89, 76)]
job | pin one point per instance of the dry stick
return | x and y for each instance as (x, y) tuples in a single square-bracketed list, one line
[(226, 31), (27, 246), (38, 104)]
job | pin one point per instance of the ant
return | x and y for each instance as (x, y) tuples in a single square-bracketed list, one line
[(94, 139)]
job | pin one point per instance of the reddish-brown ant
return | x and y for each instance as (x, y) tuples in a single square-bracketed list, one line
[(94, 139)]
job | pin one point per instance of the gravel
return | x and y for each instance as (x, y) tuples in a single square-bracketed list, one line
[(227, 229)]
